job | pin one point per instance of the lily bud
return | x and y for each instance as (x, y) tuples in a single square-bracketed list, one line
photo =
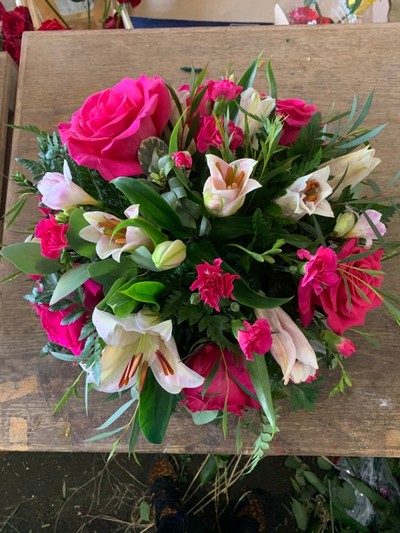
[(345, 222), (169, 254)]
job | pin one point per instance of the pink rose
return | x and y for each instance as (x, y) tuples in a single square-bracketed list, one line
[(224, 388), (209, 135), (53, 237), (106, 132), (296, 114), (255, 338), (347, 302), (213, 283), (68, 335), (182, 159), (346, 347)]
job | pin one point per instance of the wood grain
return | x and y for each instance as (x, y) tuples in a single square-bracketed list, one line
[(8, 89), (323, 64)]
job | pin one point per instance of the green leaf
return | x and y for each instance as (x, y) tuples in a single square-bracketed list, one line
[(346, 495), (76, 223), (155, 408), (204, 417), (69, 282), (143, 258), (273, 91), (246, 296), (152, 206), (27, 257), (104, 435), (107, 271), (144, 511), (135, 432), (119, 412), (245, 81), (260, 379), (315, 482), (145, 291), (361, 139), (300, 514)]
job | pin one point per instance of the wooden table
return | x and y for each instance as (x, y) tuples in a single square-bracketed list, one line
[(323, 64), (8, 89)]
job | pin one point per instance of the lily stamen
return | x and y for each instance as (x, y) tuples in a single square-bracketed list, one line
[(142, 375), (166, 367), (311, 191), (130, 370)]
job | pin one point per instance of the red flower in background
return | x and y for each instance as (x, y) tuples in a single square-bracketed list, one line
[(13, 24), (133, 3), (51, 25), (114, 22), (302, 15), (224, 389)]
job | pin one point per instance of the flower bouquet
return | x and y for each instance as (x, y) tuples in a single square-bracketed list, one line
[(210, 246), (322, 11)]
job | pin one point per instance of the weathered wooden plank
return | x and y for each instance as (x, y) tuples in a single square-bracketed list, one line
[(8, 89), (323, 64)]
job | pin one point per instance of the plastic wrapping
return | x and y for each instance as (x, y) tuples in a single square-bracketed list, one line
[(377, 474)]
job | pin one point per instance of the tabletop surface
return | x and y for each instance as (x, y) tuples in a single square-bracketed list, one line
[(322, 64)]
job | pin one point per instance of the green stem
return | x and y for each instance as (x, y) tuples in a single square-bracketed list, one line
[(88, 13), (107, 7), (58, 14)]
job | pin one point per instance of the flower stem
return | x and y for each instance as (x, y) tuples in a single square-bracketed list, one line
[(50, 5)]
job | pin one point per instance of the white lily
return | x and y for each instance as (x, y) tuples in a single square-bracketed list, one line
[(350, 169), (307, 196), (251, 102), (134, 344), (225, 190), (362, 228), (60, 192), (290, 348), (100, 230)]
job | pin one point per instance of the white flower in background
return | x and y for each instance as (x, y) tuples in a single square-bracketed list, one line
[(361, 227), (101, 228), (354, 166), (290, 348), (225, 190), (60, 192), (253, 103), (135, 343), (307, 196)]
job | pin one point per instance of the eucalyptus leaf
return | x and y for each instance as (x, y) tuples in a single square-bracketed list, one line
[(76, 223), (69, 282), (27, 257), (204, 417)]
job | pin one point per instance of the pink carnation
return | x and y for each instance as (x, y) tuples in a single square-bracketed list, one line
[(320, 272), (210, 135), (182, 159), (213, 283), (223, 89), (52, 237), (255, 339)]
